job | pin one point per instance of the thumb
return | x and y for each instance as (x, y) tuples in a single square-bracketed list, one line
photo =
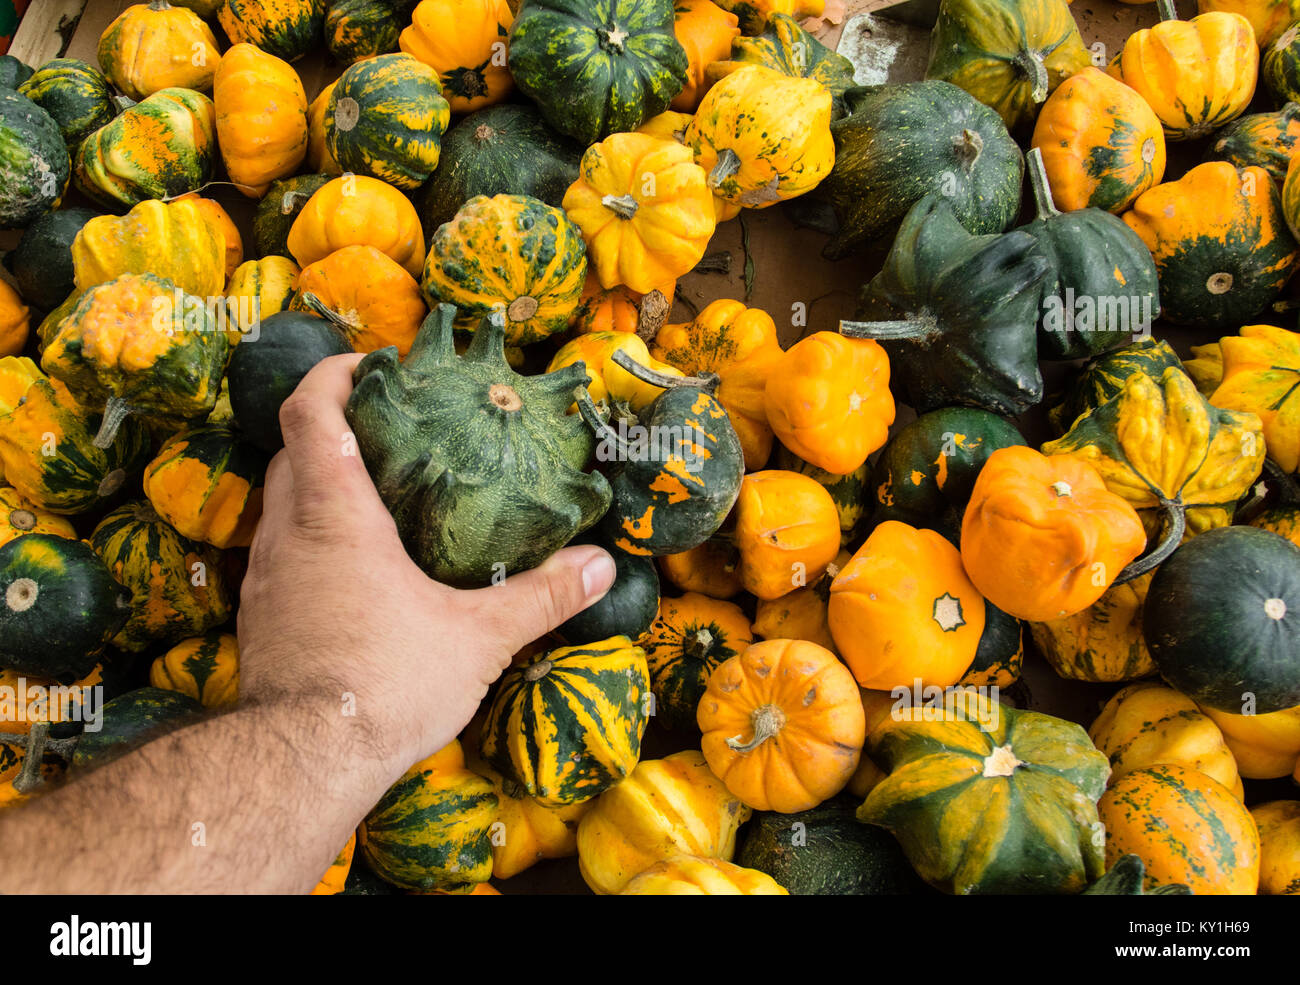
[(537, 601)]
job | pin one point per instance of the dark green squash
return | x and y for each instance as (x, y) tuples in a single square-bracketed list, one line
[(277, 210), (129, 720), (500, 150), (287, 29), (1222, 620), (1279, 67), (1000, 653), (13, 72), (924, 476), (357, 29), (1126, 877), (385, 118), (1102, 290), (957, 313), (362, 880), (675, 467), (59, 606), (264, 372), (826, 851), (42, 261), (1265, 140), (75, 94), (481, 468), (596, 67), (785, 47), (627, 609), (1104, 377), (901, 142), (34, 162)]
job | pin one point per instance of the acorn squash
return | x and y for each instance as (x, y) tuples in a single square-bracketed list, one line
[(130, 720), (627, 609), (205, 668), (1265, 140), (34, 164), (287, 29), (75, 94), (42, 261), (357, 29)]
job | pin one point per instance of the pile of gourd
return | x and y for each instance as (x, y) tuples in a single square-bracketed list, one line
[(495, 202)]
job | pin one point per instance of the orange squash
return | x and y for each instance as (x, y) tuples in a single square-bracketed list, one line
[(261, 118), (318, 157), (14, 321), (782, 725), (155, 45), (705, 31), (357, 210), (619, 308), (1043, 538), (903, 609), (464, 41), (1268, 18), (787, 531), (739, 344), (219, 219), (1186, 827), (332, 882), (1261, 374), (378, 302), (1279, 843), (828, 400), (19, 516), (712, 569), (1264, 746), (685, 875), (803, 614)]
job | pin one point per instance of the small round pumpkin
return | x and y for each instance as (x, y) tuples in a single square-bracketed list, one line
[(712, 569), (782, 725), (684, 875), (903, 608), (644, 208), (375, 301), (787, 531), (1187, 827), (705, 31), (356, 210), (319, 157), (152, 46), (1264, 746), (828, 400), (464, 42), (205, 667), (509, 253), (259, 289), (261, 118), (1268, 18), (1043, 538), (1279, 847)]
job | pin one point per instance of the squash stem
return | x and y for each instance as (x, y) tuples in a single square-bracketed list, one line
[(1172, 530), (319, 308), (698, 644), (907, 328), (767, 722), (1032, 65), (969, 145), (652, 314), (1041, 186), (727, 165), (29, 777), (599, 426), (1166, 11), (115, 412), (708, 382), (623, 206)]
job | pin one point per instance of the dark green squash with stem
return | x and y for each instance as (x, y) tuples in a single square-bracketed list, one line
[(1127, 877), (1102, 290), (75, 94), (278, 208), (42, 261), (957, 313), (482, 468)]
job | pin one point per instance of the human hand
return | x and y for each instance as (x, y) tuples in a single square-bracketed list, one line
[(333, 610)]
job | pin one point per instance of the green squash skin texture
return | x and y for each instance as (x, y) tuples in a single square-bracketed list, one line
[(169, 391), (356, 29), (1125, 878), (776, 46), (362, 880), (42, 261), (402, 844), (1001, 646), (402, 116), (1104, 161), (223, 450), (587, 84), (979, 294), (130, 718), (75, 94), (477, 487), (1259, 140), (34, 166), (500, 150), (277, 210), (899, 143), (830, 854), (78, 607), (1279, 68), (627, 609), (968, 435), (677, 525), (264, 373), (1207, 625), (1104, 377), (1058, 783), (13, 72), (679, 680), (291, 37)]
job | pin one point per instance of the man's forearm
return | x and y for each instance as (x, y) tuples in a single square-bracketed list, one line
[(259, 799)]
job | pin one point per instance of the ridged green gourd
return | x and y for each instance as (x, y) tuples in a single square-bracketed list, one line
[(481, 468)]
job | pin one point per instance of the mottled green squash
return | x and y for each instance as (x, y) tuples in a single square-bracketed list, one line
[(287, 29), (75, 94), (1104, 376), (1265, 140), (13, 72), (596, 67), (278, 208), (627, 609), (357, 29), (434, 432), (42, 261), (1126, 877), (131, 719), (59, 606), (1001, 651), (34, 164)]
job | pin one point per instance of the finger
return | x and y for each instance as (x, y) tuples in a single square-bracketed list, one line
[(537, 601), (321, 447)]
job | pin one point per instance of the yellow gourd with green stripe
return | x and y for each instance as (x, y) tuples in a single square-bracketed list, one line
[(1261, 376), (606, 380), (205, 667), (18, 516)]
